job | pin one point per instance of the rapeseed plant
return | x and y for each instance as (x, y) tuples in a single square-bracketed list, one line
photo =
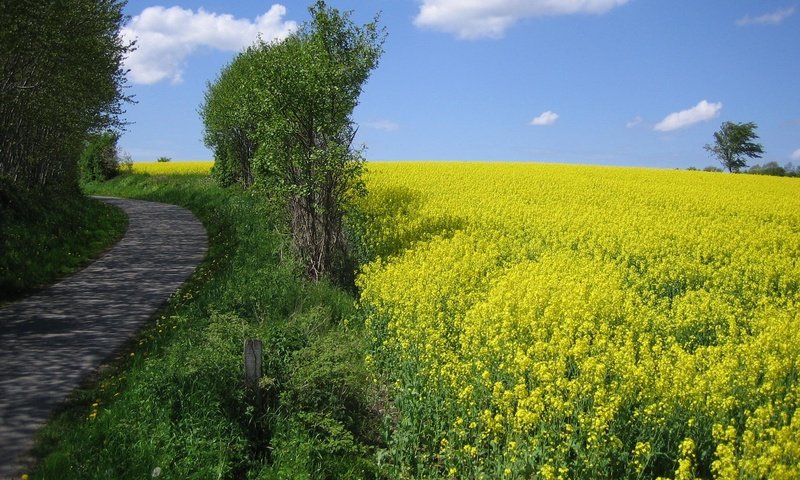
[(173, 168), (585, 322)]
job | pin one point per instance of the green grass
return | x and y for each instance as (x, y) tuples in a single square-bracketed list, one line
[(175, 403), (45, 237)]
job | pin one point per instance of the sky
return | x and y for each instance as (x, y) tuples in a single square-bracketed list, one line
[(610, 82)]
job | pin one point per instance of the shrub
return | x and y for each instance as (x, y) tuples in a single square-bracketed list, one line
[(281, 115), (98, 162), (775, 170)]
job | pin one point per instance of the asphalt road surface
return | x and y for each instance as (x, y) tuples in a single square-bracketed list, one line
[(51, 341)]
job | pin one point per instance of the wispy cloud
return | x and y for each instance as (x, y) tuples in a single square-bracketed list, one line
[(546, 118), (635, 122), (166, 37), (385, 125), (702, 112), (772, 18), (796, 155), (490, 19)]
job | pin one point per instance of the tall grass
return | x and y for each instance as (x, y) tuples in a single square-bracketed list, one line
[(46, 236), (174, 404)]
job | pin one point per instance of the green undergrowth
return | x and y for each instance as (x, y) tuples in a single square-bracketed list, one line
[(44, 237), (174, 404)]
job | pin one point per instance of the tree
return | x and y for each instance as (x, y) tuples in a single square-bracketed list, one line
[(306, 149), (734, 143), (769, 168), (282, 113), (61, 79), (99, 160), (231, 112)]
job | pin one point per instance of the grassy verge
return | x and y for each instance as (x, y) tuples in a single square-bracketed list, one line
[(174, 404), (44, 237)]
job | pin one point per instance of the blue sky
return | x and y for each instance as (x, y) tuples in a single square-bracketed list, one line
[(612, 82)]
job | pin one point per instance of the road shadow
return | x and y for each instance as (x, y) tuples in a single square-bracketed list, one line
[(51, 341)]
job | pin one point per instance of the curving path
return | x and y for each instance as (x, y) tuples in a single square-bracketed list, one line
[(51, 341)]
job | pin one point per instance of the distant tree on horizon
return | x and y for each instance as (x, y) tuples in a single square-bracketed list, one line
[(734, 144), (775, 170)]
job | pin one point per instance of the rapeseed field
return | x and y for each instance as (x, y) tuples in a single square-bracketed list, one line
[(552, 321), (173, 168)]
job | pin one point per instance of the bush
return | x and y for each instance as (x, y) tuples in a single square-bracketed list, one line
[(775, 170), (280, 116), (163, 159), (98, 162)]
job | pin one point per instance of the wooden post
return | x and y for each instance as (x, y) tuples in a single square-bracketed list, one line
[(252, 368)]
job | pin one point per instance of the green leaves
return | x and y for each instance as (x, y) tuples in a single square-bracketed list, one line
[(98, 161), (734, 142), (61, 78), (280, 116)]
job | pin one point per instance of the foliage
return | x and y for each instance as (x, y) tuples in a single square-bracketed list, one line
[(99, 160), (280, 115), (163, 159), (584, 322), (231, 112), (734, 143), (176, 400), (61, 78), (46, 235), (773, 169)]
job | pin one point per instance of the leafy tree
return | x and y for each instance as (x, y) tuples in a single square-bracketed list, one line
[(769, 168), (734, 143), (281, 112), (231, 112), (61, 78), (99, 160), (306, 150)]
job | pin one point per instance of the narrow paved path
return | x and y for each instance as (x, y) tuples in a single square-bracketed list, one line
[(51, 341)]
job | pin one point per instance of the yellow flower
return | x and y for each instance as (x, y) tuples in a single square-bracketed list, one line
[(547, 305)]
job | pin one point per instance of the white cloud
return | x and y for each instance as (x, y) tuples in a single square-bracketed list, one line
[(634, 122), (546, 118), (796, 155), (491, 18), (386, 125), (166, 37), (772, 18), (702, 112)]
